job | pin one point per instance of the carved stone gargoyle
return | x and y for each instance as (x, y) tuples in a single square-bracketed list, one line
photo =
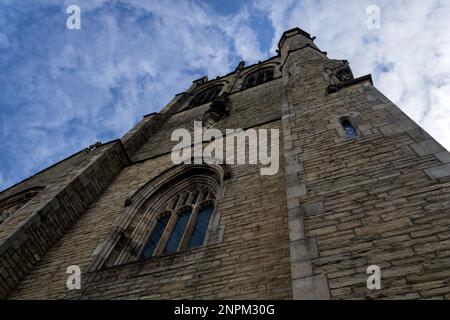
[(219, 109), (338, 72)]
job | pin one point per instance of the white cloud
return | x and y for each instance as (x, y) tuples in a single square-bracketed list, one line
[(414, 39)]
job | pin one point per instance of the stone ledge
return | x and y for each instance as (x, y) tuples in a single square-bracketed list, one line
[(427, 147), (419, 135), (444, 157), (334, 89), (438, 172), (138, 136)]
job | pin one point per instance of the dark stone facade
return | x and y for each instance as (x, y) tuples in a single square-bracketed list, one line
[(336, 206)]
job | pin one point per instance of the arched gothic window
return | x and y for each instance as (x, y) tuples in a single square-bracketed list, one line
[(12, 204), (206, 95), (184, 225), (258, 77), (350, 131), (174, 212)]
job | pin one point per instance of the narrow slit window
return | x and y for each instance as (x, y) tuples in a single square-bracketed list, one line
[(201, 227), (177, 232), (349, 129), (155, 236)]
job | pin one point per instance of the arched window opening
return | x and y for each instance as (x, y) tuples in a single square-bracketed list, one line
[(349, 129), (207, 95), (258, 77), (185, 225), (201, 227), (169, 214)]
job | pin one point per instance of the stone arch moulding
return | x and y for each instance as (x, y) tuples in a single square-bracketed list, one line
[(130, 230), (220, 85), (209, 84), (272, 64)]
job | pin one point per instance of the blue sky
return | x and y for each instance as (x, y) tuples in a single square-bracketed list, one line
[(62, 90)]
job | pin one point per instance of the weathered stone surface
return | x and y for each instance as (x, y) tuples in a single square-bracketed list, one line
[(311, 288), (303, 250), (298, 190), (438, 172), (312, 209), (335, 207), (397, 127), (444, 157), (427, 147)]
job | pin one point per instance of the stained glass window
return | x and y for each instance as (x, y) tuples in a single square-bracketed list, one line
[(201, 226), (177, 232), (185, 232), (155, 236)]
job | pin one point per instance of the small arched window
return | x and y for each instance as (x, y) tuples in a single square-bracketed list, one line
[(207, 95), (258, 77), (350, 131)]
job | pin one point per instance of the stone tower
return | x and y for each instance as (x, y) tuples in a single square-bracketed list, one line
[(359, 184)]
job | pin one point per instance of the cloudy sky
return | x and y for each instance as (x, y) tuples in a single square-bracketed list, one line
[(62, 90)]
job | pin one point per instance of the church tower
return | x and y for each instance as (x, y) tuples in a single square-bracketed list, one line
[(360, 192)]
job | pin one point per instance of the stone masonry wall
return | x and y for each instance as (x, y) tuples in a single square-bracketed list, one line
[(247, 109), (381, 199), (337, 205), (28, 235), (252, 261)]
